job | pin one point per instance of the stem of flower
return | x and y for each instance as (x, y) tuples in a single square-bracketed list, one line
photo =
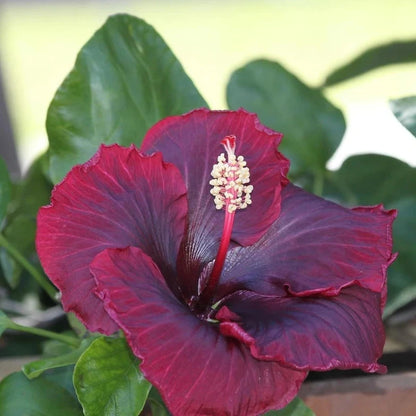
[(207, 293), (39, 277), (74, 342)]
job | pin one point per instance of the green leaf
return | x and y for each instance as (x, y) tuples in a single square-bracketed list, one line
[(40, 397), (295, 408), (158, 409), (157, 406), (36, 368), (108, 381), (4, 322), (54, 348), (5, 189), (391, 53), (405, 111), (125, 79), (33, 192), (402, 273), (21, 234), (312, 126), (62, 376), (373, 179)]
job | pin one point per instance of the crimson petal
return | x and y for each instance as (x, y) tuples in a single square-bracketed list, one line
[(309, 333), (193, 142), (195, 368), (315, 246), (119, 198)]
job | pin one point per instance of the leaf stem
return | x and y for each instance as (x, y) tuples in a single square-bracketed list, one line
[(44, 333), (38, 276)]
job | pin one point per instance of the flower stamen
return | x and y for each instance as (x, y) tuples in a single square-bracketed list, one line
[(230, 179), (231, 191)]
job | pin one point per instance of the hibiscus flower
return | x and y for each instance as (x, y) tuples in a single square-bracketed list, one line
[(229, 282)]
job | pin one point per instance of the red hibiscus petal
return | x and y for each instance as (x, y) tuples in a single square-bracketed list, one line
[(315, 246), (309, 333), (192, 142), (119, 198), (196, 369)]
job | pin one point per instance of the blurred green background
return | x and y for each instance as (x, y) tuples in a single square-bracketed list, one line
[(39, 41)]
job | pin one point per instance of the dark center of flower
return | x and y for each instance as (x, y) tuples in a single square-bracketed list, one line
[(231, 191)]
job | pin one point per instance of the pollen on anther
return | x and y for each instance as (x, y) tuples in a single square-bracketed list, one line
[(230, 179)]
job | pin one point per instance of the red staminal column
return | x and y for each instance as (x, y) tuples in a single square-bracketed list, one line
[(231, 191)]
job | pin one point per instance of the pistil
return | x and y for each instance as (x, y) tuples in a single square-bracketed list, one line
[(231, 191)]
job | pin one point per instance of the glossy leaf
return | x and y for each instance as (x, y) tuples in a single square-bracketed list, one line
[(108, 381), (295, 408), (312, 127), (36, 368), (125, 79), (20, 396), (376, 57), (405, 111), (5, 189)]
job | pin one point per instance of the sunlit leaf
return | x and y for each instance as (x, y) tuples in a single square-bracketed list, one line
[(311, 125), (125, 79), (108, 381)]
